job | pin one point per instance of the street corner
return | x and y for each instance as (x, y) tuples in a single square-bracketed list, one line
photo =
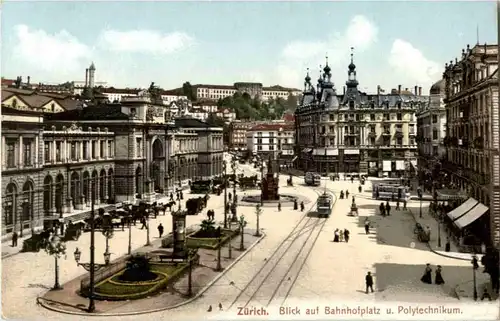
[(182, 290)]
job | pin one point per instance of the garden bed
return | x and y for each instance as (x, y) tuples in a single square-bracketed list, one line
[(210, 243), (114, 289)]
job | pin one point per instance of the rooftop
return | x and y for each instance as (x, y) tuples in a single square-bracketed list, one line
[(273, 127)]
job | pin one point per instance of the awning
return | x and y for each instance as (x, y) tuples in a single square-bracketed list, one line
[(294, 159), (351, 151), (329, 152), (471, 216), (462, 209)]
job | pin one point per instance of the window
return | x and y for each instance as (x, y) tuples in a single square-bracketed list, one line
[(346, 118), (399, 140), (434, 119), (271, 134), (93, 149), (412, 140), (46, 151), (138, 144), (332, 117), (259, 147), (58, 152), (372, 117), (11, 154), (259, 140), (387, 117), (351, 104), (259, 133), (271, 147), (399, 116), (372, 140), (84, 147), (27, 153), (357, 117), (73, 151), (102, 151), (434, 134), (53, 107), (271, 140), (434, 150), (110, 149)]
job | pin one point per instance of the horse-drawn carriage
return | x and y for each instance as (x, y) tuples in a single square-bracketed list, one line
[(247, 182), (74, 230), (289, 181), (422, 234), (36, 242), (201, 187), (195, 205), (218, 185)]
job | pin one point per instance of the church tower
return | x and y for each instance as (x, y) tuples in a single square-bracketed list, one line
[(91, 83)]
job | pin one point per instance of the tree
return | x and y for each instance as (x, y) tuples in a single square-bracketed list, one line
[(214, 120), (258, 212), (138, 269), (56, 248), (188, 91), (291, 102)]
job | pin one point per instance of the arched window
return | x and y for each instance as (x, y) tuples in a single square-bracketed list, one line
[(48, 201), (59, 193), (111, 194), (10, 204), (27, 201), (138, 180), (102, 186)]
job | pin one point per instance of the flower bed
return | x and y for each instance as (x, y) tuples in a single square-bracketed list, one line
[(114, 289), (210, 243)]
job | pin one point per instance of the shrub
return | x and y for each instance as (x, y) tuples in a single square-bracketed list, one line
[(138, 269)]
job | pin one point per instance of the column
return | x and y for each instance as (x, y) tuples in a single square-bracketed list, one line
[(36, 152), (20, 151), (69, 200), (4, 154), (81, 151), (52, 151)]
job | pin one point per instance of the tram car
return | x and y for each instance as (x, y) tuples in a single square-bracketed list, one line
[(324, 205), (312, 179)]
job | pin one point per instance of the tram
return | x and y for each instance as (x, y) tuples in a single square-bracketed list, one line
[(324, 205), (389, 191), (312, 179)]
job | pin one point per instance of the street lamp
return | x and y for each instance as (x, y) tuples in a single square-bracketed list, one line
[(261, 183), (420, 205), (57, 248), (224, 164), (230, 246), (439, 226), (129, 235), (219, 243), (91, 267), (475, 266), (191, 256), (242, 223)]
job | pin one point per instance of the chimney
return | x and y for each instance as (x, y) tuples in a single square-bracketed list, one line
[(416, 90), (28, 83), (344, 90), (378, 89), (86, 77), (399, 89), (420, 91)]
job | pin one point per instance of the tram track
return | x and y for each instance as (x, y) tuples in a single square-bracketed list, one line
[(270, 282)]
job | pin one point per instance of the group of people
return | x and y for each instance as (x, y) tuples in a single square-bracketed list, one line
[(179, 196), (344, 195), (341, 235), (427, 277)]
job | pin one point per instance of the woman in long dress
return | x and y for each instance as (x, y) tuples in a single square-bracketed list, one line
[(439, 278), (427, 277), (336, 235)]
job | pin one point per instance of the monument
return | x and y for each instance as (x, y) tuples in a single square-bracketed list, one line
[(270, 182)]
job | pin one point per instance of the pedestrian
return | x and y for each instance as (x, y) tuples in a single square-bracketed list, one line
[(388, 208), (346, 235), (439, 277), (302, 206), (347, 194), (447, 246), (160, 230), (360, 188), (181, 195), (295, 205), (486, 294), (279, 206), (404, 204), (14, 239), (397, 205), (229, 195), (178, 196), (369, 282), (353, 200), (352, 179), (171, 197), (143, 221), (427, 277), (382, 209), (336, 236), (367, 226)]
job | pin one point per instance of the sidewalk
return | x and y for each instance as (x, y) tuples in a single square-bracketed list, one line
[(428, 220)]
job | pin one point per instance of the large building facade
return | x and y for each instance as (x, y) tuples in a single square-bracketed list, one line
[(473, 128), (431, 131), (255, 90), (52, 162), (272, 139), (355, 132)]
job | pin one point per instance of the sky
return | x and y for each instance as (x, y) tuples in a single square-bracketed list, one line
[(135, 43)]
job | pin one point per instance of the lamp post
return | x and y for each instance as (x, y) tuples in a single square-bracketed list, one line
[(420, 205), (224, 164), (129, 235), (439, 227), (261, 183), (235, 197), (57, 248), (219, 243), (230, 246), (191, 256), (91, 267), (242, 223), (475, 266)]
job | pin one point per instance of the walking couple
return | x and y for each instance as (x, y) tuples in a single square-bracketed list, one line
[(340, 235), (427, 277)]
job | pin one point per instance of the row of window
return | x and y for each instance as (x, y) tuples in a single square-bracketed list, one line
[(78, 150), (271, 141), (386, 128), (353, 141), (25, 159)]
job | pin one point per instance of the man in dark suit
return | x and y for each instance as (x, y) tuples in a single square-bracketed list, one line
[(369, 282)]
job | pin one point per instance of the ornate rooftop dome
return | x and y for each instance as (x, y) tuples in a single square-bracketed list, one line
[(437, 88)]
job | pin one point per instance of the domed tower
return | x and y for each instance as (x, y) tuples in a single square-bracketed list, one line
[(352, 82), (92, 75)]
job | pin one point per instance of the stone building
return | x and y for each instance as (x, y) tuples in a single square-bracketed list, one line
[(255, 90), (431, 131), (238, 134), (473, 130), (355, 132), (52, 162)]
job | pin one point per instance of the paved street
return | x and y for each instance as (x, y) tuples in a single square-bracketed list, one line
[(334, 270)]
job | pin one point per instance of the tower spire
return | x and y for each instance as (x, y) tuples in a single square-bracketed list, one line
[(352, 55)]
